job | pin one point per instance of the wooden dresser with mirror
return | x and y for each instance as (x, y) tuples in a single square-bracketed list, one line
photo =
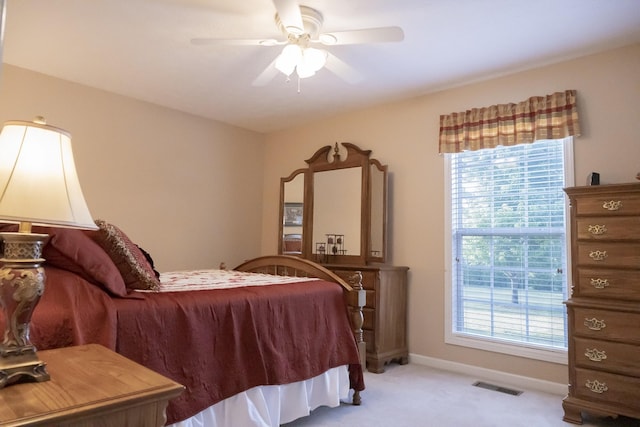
[(334, 212)]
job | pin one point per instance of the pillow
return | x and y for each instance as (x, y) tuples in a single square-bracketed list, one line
[(150, 261), (128, 258), (72, 250)]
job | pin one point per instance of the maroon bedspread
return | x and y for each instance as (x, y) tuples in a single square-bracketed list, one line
[(215, 342), (218, 343)]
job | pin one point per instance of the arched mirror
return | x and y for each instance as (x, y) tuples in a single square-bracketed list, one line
[(342, 198)]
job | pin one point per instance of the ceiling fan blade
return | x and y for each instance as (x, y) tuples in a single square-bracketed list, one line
[(290, 16), (235, 42), (343, 70), (367, 35), (266, 75)]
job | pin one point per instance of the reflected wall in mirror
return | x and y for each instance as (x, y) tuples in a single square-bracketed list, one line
[(291, 213), (337, 199), (378, 215), (344, 196)]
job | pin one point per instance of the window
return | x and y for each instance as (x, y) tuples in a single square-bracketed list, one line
[(508, 252)]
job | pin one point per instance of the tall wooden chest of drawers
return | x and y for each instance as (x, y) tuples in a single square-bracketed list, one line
[(385, 313), (604, 308)]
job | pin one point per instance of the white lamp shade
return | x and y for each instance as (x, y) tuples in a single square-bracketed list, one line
[(38, 178), (305, 61), (312, 60), (288, 59)]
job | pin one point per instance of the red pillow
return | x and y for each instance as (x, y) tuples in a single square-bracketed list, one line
[(72, 250), (130, 261)]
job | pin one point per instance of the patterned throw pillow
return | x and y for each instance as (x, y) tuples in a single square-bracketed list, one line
[(131, 262), (73, 250)]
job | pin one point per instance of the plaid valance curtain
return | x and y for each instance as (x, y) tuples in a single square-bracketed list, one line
[(540, 117)]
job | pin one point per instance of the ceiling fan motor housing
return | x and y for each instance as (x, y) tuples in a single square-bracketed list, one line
[(311, 20)]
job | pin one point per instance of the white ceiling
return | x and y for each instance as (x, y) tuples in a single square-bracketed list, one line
[(142, 49)]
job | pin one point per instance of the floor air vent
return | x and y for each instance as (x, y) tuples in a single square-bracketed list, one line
[(494, 387)]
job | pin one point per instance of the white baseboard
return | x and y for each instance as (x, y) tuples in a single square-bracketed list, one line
[(496, 377)]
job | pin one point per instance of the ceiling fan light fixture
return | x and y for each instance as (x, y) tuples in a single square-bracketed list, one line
[(311, 61), (314, 58), (304, 72), (288, 59)]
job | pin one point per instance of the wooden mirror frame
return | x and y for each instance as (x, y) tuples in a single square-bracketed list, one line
[(381, 192), (323, 160), (303, 173)]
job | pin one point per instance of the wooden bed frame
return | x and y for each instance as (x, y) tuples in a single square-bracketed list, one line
[(355, 296)]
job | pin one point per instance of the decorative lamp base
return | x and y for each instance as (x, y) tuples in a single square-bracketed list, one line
[(18, 368), (21, 286)]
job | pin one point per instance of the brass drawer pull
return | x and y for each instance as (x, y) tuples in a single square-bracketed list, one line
[(596, 386), (612, 205), (595, 355), (597, 230), (599, 283), (594, 324), (598, 255)]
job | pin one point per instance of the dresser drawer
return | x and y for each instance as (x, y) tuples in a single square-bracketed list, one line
[(608, 254), (369, 318), (367, 284), (607, 325), (600, 386), (608, 283), (609, 356), (368, 277), (614, 204), (613, 228)]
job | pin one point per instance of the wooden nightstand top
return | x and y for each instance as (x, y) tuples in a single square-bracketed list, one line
[(90, 385)]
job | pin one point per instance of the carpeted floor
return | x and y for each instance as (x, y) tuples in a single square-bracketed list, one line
[(418, 396)]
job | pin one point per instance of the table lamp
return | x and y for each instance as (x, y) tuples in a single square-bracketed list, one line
[(38, 185)]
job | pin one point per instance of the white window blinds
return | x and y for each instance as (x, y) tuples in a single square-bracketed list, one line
[(509, 244)]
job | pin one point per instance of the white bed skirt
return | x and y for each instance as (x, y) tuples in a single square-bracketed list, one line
[(271, 406)]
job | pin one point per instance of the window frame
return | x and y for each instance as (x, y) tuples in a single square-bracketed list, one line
[(555, 355)]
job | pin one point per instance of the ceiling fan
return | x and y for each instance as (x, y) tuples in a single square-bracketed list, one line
[(301, 27)]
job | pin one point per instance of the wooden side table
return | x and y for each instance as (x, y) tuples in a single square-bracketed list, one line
[(90, 386)]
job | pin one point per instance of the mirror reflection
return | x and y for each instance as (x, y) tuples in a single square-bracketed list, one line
[(292, 215), (337, 200), (377, 178)]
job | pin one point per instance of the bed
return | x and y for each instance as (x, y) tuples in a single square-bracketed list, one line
[(262, 344)]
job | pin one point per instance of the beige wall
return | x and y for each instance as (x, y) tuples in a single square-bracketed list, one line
[(183, 187), (404, 135)]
